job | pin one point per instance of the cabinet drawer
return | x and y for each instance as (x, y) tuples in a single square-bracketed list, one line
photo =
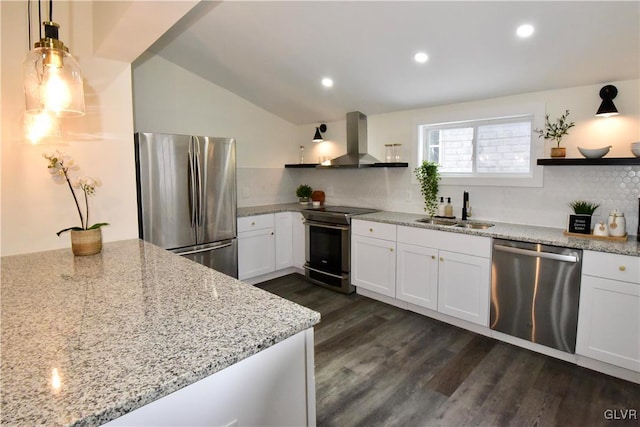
[(449, 241), (611, 266), (257, 222), (376, 230)]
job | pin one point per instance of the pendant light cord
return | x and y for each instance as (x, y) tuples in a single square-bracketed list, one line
[(51, 10), (40, 18), (29, 22)]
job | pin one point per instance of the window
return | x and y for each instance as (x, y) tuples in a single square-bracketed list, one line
[(479, 148)]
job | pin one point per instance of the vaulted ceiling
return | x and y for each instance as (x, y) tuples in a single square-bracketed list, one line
[(275, 54)]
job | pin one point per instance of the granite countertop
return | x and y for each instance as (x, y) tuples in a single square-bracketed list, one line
[(88, 339), (500, 230), (267, 209)]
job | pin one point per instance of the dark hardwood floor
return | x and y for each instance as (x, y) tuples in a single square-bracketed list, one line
[(378, 365)]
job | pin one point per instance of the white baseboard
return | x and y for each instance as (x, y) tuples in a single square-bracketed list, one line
[(273, 275)]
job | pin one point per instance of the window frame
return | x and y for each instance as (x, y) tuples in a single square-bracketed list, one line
[(452, 116)]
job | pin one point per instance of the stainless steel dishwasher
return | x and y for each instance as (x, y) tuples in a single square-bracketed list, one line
[(535, 291)]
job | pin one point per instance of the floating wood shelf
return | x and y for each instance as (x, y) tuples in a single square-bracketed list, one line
[(374, 165), (603, 161), (301, 165)]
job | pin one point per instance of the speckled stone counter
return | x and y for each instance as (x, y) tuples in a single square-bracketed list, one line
[(525, 233), (88, 339), (267, 209)]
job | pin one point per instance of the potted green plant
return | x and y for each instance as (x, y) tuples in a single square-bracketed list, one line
[(303, 192), (556, 131), (429, 178), (580, 221)]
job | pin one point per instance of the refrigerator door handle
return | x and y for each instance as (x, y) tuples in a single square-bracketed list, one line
[(192, 185), (198, 177), (197, 251)]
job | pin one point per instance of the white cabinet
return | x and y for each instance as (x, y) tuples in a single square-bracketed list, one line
[(417, 275), (609, 314), (443, 271), (275, 387), (284, 240), (256, 254), (299, 236), (373, 257), (463, 286)]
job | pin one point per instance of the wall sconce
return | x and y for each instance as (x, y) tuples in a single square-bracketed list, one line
[(607, 93), (319, 130), (52, 77)]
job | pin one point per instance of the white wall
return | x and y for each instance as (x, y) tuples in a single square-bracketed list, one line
[(170, 99), (33, 206), (395, 189)]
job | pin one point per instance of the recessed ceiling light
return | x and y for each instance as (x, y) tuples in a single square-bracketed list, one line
[(524, 30), (421, 57), (327, 82)]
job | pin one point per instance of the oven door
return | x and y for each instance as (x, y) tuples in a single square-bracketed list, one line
[(328, 255)]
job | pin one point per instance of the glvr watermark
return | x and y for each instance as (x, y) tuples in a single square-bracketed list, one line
[(620, 414)]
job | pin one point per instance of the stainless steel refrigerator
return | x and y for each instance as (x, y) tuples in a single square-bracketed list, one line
[(187, 197)]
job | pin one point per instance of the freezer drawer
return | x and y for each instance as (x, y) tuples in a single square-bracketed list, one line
[(535, 290), (221, 256)]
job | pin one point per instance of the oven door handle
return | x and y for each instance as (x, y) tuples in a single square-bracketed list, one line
[(343, 276), (323, 225)]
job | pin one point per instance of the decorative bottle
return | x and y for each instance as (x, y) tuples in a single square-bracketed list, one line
[(301, 155)]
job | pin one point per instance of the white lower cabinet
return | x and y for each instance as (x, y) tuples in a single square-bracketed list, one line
[(463, 287), (256, 254), (299, 236), (609, 316), (373, 257), (283, 240), (445, 272), (417, 275)]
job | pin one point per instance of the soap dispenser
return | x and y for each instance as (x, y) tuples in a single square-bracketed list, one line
[(448, 209), (441, 207)]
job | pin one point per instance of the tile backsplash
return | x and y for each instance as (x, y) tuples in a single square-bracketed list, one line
[(613, 187)]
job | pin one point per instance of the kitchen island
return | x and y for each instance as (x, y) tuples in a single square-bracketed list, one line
[(86, 340)]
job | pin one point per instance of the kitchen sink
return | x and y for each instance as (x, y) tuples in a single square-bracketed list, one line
[(437, 221), (474, 225), (456, 223)]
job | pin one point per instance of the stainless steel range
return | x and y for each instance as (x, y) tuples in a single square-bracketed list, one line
[(328, 246)]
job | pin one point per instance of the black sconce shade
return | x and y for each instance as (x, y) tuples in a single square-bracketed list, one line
[(607, 93), (317, 137)]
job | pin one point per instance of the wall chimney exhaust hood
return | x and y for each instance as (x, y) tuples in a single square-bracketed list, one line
[(357, 155)]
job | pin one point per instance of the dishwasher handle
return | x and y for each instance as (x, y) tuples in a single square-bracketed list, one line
[(528, 252)]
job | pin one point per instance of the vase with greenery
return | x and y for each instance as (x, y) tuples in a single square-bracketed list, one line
[(303, 192), (85, 239), (580, 222), (429, 178), (555, 131)]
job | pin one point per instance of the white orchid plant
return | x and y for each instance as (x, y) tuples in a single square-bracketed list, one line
[(59, 166)]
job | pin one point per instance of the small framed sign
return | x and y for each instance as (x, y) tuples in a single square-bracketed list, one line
[(579, 224)]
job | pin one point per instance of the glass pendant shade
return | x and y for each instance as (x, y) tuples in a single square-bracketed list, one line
[(52, 79)]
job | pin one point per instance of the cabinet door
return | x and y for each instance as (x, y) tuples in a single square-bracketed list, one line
[(256, 253), (299, 236), (463, 287), (609, 322), (284, 240), (373, 264), (417, 275)]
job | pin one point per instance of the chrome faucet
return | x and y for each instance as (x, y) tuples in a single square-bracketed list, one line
[(466, 208)]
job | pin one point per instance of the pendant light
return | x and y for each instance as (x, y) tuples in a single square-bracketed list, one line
[(52, 77)]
